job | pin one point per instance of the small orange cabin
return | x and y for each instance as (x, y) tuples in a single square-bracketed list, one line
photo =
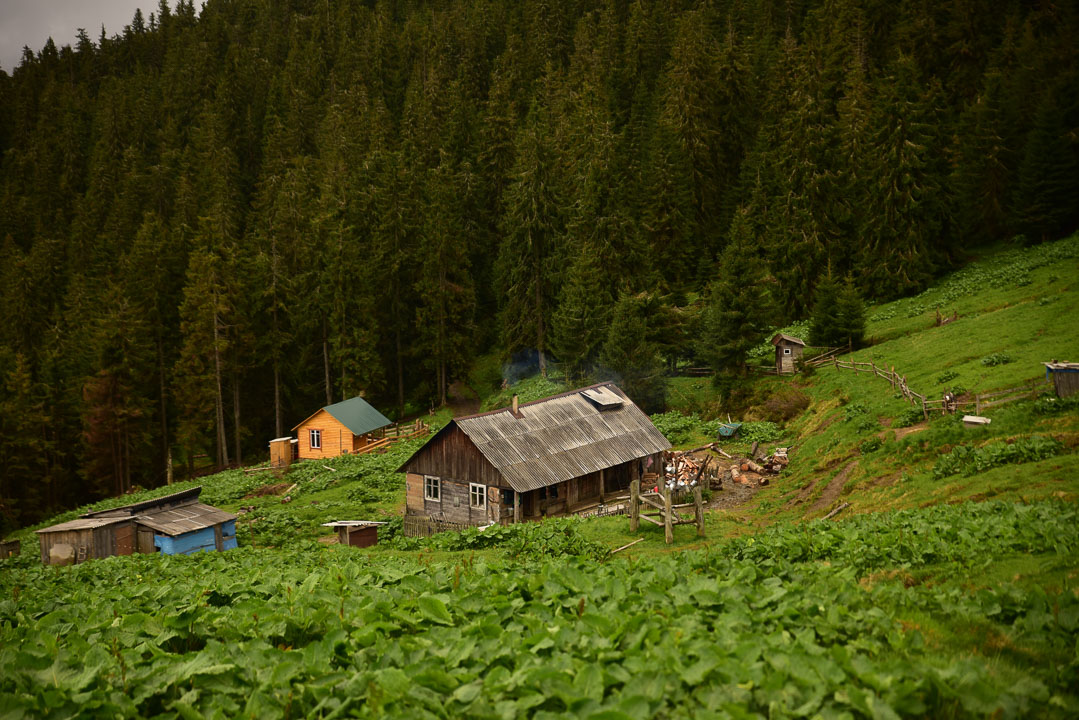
[(340, 429)]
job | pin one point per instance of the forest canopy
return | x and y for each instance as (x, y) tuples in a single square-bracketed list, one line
[(218, 220)]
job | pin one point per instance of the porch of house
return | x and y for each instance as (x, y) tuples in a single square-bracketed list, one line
[(574, 496)]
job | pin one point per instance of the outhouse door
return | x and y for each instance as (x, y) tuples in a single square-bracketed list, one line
[(125, 539)]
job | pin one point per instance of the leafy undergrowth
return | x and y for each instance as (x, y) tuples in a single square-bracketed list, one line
[(785, 624), (527, 541)]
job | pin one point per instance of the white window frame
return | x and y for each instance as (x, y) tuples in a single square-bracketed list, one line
[(316, 439), (786, 351), (477, 490), (429, 482)]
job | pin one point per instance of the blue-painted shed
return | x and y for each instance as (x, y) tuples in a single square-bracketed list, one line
[(185, 529)]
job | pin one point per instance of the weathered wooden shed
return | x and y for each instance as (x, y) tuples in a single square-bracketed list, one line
[(339, 429), (10, 548), (556, 456), (788, 350), (1064, 376), (356, 533), (172, 524)]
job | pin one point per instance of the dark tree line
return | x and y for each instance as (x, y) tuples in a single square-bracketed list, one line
[(216, 221)]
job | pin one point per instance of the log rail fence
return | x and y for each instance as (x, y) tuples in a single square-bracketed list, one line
[(979, 402)]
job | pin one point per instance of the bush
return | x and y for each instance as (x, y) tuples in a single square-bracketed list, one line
[(677, 427), (1052, 405), (946, 376), (996, 359), (759, 431), (971, 461), (910, 416), (870, 445)]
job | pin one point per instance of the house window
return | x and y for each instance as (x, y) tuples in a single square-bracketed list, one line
[(316, 439), (786, 351), (432, 488), (477, 495)]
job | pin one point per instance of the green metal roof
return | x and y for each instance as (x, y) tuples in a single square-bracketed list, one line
[(357, 415)]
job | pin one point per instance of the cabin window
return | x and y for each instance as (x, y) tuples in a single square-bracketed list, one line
[(316, 439), (786, 351), (432, 488), (477, 495), (553, 492)]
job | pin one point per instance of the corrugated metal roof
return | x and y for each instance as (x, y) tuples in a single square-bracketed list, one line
[(183, 496), (562, 437), (356, 414), (84, 523), (179, 520)]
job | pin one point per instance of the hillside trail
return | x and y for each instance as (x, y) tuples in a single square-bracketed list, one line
[(835, 487), (462, 399)]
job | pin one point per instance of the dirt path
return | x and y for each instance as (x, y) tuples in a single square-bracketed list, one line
[(835, 487), (900, 433), (462, 399)]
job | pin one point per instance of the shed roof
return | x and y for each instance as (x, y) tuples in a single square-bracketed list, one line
[(356, 414), (1061, 367), (183, 519), (562, 436), (779, 337), (84, 523), (179, 498)]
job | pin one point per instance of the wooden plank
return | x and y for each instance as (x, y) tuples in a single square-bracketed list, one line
[(651, 520)]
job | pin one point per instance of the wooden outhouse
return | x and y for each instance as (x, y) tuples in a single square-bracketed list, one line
[(339, 429), (173, 524), (788, 350), (1064, 376), (561, 455), (356, 533), (10, 548)]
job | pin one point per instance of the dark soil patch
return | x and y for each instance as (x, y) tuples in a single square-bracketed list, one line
[(731, 496), (275, 489), (835, 487)]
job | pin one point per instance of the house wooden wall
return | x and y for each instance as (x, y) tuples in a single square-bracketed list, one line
[(454, 505), (451, 454), (336, 438), (90, 543)]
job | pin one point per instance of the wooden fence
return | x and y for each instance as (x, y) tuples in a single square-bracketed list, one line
[(423, 526), (979, 402), (403, 431)]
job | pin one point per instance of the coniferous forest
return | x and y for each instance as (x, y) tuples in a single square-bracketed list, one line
[(224, 218)]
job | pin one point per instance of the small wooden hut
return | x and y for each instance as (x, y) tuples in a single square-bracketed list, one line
[(10, 548), (173, 524), (788, 350), (561, 455), (339, 429), (356, 533), (1065, 377)]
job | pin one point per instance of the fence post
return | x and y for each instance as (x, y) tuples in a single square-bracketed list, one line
[(835, 362), (925, 413), (634, 505), (892, 377), (978, 404), (698, 507), (668, 530)]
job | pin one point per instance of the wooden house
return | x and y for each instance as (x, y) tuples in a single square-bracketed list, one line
[(356, 533), (174, 524), (556, 456), (10, 548), (788, 350), (1065, 377), (339, 429)]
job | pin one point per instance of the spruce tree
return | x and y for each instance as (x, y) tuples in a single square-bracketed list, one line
[(824, 322), (1048, 188), (630, 358), (738, 310), (850, 314), (580, 322)]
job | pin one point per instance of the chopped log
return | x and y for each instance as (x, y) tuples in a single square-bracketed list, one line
[(627, 545), (762, 480), (750, 465), (753, 449), (835, 512), (715, 449), (735, 473)]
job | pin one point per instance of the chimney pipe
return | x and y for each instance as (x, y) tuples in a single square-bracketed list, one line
[(515, 412)]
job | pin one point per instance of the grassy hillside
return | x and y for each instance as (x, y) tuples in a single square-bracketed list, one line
[(947, 588)]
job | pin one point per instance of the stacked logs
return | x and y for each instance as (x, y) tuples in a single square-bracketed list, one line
[(683, 470)]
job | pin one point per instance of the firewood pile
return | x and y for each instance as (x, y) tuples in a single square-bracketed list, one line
[(683, 469)]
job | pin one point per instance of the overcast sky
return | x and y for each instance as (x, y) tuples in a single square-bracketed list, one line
[(31, 22)]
